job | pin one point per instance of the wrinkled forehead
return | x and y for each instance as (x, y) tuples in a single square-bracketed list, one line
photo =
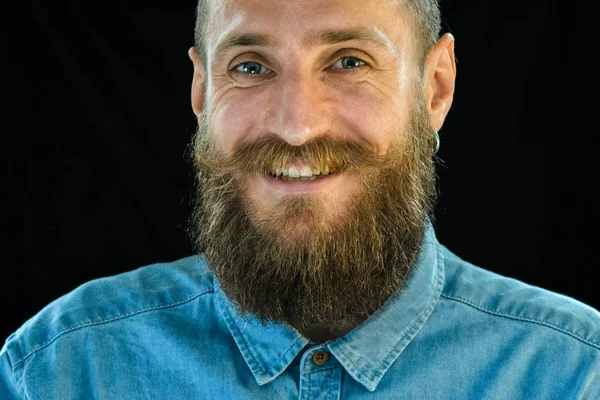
[(295, 21)]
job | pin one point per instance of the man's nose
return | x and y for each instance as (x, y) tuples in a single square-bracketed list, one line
[(300, 109)]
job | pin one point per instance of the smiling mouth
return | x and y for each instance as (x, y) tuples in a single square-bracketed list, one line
[(305, 173)]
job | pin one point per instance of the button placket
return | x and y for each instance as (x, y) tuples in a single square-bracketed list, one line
[(320, 375)]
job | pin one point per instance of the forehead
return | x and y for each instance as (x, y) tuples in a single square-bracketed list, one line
[(292, 20)]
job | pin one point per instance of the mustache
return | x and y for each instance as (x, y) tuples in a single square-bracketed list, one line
[(265, 155)]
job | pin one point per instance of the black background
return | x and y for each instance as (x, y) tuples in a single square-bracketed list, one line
[(97, 182)]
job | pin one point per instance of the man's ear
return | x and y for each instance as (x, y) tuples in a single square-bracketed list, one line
[(197, 82), (440, 76)]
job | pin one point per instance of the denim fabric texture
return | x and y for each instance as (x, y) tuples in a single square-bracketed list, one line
[(167, 331)]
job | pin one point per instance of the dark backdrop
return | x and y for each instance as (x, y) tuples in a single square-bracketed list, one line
[(96, 180)]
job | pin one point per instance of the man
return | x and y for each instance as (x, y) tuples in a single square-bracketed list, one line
[(320, 275)]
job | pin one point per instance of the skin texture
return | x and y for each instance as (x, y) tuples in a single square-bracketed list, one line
[(303, 92)]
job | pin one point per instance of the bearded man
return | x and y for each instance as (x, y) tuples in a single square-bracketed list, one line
[(319, 274)]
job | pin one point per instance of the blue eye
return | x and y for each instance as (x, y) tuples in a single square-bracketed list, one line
[(252, 68), (348, 63)]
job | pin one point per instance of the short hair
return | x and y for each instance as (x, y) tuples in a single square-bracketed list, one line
[(425, 14)]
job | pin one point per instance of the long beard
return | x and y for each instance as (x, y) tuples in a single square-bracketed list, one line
[(293, 265)]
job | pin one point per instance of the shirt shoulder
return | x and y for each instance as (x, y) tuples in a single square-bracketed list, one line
[(104, 300), (503, 297)]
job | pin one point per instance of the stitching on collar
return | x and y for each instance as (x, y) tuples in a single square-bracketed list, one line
[(425, 313)]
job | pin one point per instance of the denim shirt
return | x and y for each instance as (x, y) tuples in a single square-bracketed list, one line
[(167, 331)]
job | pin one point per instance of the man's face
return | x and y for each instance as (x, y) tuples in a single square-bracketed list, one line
[(314, 156), (302, 70)]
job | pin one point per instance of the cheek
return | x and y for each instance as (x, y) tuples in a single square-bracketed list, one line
[(230, 123), (372, 117), (239, 115)]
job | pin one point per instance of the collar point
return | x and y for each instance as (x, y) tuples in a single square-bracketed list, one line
[(371, 386)]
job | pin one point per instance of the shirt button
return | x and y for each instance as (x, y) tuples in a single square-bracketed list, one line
[(320, 357)]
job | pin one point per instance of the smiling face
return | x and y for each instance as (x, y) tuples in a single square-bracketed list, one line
[(314, 153), (347, 75)]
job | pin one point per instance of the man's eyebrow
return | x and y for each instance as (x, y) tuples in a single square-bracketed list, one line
[(374, 35), (236, 39)]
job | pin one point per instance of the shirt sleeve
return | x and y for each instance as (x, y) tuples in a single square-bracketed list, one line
[(8, 385)]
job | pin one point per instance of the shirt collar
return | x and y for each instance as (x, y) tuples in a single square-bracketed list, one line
[(369, 350), (267, 349)]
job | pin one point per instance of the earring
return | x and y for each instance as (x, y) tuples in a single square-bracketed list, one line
[(437, 142)]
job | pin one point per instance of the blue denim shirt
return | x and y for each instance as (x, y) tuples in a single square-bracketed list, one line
[(167, 331)]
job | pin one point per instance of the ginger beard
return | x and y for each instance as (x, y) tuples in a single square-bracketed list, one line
[(296, 264)]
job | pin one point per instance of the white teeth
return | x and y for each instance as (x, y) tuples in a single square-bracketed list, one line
[(293, 172), (305, 173)]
